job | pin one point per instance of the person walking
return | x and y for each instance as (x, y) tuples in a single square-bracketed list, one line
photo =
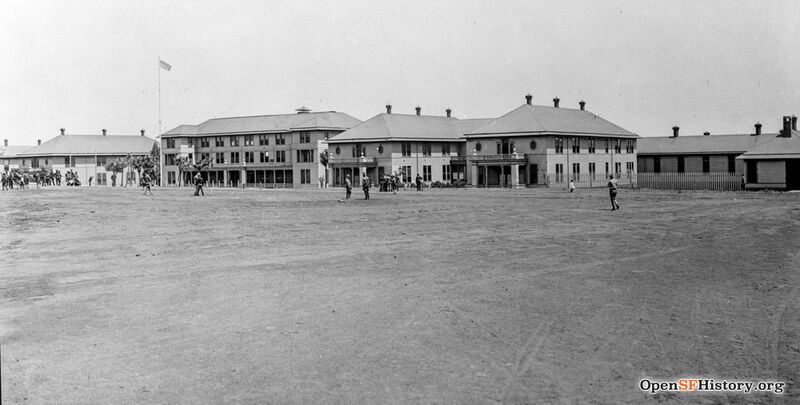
[(90, 180), (198, 184), (571, 185), (612, 192), (419, 182), (146, 183), (348, 187), (365, 185)]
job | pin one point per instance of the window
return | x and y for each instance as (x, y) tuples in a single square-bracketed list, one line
[(478, 146), (249, 157), (406, 148), (608, 145), (170, 143), (576, 171), (234, 157), (629, 167), (533, 145), (102, 180), (169, 159), (305, 137), (406, 174), (248, 140), (171, 178), (426, 149), (280, 139), (263, 157), (66, 161), (305, 155), (190, 142), (102, 161), (305, 176), (559, 144), (592, 171), (234, 141), (205, 142), (219, 141), (617, 168), (263, 140), (426, 173), (559, 172), (219, 158), (630, 145), (280, 156), (617, 146), (706, 163), (446, 149), (591, 145), (338, 150), (447, 174), (34, 163), (327, 135), (576, 145), (731, 163), (606, 169), (191, 157), (681, 164), (657, 164), (205, 156)]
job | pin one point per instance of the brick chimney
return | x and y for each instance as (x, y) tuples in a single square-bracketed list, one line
[(582, 104), (388, 108), (448, 111), (758, 128), (675, 131), (62, 131), (104, 132), (5, 142), (38, 142), (787, 126), (142, 131), (419, 110), (555, 102), (528, 99), (706, 133)]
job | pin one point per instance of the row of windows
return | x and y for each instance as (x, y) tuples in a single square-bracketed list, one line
[(576, 170), (591, 145), (405, 149), (248, 140), (706, 165)]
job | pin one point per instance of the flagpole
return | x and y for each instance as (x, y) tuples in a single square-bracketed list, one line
[(158, 67)]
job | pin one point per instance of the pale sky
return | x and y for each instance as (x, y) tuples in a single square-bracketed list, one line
[(715, 66)]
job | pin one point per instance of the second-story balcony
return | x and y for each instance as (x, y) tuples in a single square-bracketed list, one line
[(511, 158), (353, 161)]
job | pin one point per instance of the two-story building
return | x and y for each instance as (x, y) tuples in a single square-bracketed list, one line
[(266, 150), (536, 145), (403, 144), (87, 155), (9, 156)]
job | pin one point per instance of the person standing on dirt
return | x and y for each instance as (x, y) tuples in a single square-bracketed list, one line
[(612, 192), (5, 182), (365, 185), (348, 187), (571, 185), (419, 182), (146, 183), (198, 185), (90, 180)]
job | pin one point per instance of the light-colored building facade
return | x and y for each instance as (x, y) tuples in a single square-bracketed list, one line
[(87, 156), (403, 144), (536, 145), (267, 151), (775, 164), (9, 156)]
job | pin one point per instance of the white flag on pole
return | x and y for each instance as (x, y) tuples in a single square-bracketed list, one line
[(164, 65)]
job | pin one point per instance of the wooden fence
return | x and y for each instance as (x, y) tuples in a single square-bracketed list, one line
[(691, 181)]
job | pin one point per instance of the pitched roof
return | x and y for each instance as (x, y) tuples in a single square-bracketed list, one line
[(66, 145), (11, 151), (267, 123), (776, 148), (531, 119), (711, 144), (401, 127)]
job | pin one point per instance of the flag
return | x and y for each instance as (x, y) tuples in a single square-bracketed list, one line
[(164, 65)]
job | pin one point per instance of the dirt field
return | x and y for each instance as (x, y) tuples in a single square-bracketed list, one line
[(455, 296)]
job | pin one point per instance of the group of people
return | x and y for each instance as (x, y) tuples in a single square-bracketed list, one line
[(388, 182), (42, 178)]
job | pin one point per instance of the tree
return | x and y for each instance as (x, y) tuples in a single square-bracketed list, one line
[(184, 164), (323, 159), (155, 163), (115, 166)]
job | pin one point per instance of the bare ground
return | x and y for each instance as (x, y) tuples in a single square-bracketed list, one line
[(455, 296)]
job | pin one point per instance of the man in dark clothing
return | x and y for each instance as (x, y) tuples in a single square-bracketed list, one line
[(419, 182), (146, 183), (198, 184), (365, 186), (612, 192)]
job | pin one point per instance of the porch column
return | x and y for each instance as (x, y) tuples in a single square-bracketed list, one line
[(473, 173), (224, 178), (515, 176)]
